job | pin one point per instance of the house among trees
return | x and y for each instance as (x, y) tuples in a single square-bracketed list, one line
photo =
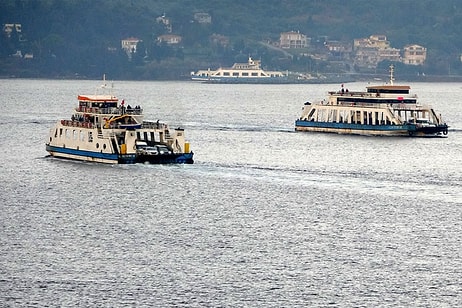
[(414, 54), (169, 39), (368, 52), (390, 54), (338, 50), (8, 29), (293, 39), (373, 41), (129, 45), (203, 18)]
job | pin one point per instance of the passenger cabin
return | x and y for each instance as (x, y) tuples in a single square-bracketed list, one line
[(97, 104), (388, 94)]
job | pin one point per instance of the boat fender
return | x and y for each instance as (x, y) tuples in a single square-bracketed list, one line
[(445, 132)]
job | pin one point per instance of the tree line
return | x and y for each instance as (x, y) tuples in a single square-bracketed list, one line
[(82, 38)]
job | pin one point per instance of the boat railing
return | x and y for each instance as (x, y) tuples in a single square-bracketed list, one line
[(396, 106), (153, 125), (81, 124), (366, 94), (136, 111), (350, 93), (410, 107), (98, 110), (361, 105)]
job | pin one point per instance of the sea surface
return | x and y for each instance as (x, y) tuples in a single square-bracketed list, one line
[(265, 217)]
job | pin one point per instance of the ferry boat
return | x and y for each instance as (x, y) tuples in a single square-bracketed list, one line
[(102, 129), (384, 110), (249, 72)]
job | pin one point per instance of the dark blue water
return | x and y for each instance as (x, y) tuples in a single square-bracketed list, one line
[(266, 217)]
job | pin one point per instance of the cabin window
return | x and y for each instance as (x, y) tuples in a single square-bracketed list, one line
[(104, 146), (225, 73), (90, 136), (56, 133), (245, 74), (68, 134), (236, 74), (75, 135), (254, 74), (97, 145), (82, 135)]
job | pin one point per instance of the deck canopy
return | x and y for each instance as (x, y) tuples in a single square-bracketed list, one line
[(389, 89), (97, 98)]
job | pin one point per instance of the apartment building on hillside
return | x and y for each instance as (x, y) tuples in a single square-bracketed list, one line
[(293, 39)]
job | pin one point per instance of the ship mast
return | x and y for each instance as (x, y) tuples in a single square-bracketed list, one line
[(392, 69)]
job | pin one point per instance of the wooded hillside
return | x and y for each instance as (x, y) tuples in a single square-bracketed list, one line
[(82, 38)]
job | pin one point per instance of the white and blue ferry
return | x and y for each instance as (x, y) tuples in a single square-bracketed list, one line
[(385, 110), (102, 129)]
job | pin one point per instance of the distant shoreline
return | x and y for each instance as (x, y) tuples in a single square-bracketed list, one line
[(348, 78)]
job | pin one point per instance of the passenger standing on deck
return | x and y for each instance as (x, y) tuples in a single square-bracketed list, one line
[(123, 106)]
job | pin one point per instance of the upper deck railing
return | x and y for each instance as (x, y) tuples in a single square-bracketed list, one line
[(110, 110)]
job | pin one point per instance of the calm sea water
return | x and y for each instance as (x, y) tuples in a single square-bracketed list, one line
[(266, 217)]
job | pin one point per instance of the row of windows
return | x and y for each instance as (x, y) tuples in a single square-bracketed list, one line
[(77, 135), (74, 134), (246, 74)]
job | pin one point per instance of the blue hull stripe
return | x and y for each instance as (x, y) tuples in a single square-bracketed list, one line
[(124, 159), (386, 128), (83, 153)]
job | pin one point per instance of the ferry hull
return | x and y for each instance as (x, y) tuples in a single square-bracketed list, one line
[(246, 80), (89, 156), (352, 129), (369, 130), (267, 80)]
